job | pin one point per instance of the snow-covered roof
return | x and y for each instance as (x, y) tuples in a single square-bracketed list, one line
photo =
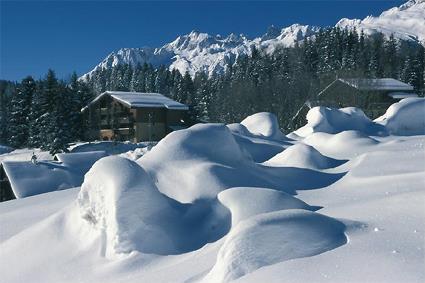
[(79, 158), (140, 99), (28, 179), (377, 84), (401, 95)]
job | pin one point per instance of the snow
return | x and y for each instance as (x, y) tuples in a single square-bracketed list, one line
[(405, 22), (245, 202), (107, 199), (264, 125), (277, 236), (332, 121), (28, 179), (339, 145), (406, 117), (139, 99), (341, 203), (212, 54), (25, 154), (401, 95), (378, 84), (109, 147), (5, 149), (82, 160), (302, 156)]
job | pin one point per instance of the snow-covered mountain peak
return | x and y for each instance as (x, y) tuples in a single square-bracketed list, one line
[(410, 3), (405, 22), (272, 32), (198, 51)]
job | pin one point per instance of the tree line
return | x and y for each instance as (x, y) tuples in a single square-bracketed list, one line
[(46, 113), (279, 82), (43, 113)]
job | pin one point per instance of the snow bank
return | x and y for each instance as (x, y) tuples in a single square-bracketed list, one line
[(247, 202), (263, 124), (343, 145), (260, 136), (274, 237), (260, 149), (119, 198), (195, 163), (406, 117), (332, 121), (302, 156)]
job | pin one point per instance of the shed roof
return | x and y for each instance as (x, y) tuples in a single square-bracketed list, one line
[(400, 95), (377, 84), (27, 179), (140, 100)]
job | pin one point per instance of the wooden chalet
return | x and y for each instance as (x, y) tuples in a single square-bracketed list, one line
[(134, 116)]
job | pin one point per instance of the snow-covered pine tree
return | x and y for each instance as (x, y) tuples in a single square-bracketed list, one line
[(20, 111)]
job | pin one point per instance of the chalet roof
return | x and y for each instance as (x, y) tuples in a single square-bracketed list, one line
[(27, 179), (400, 95), (141, 100), (389, 84)]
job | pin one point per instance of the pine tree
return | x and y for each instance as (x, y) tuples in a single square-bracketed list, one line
[(5, 92), (19, 117)]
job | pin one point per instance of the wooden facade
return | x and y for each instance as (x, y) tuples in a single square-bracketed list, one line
[(111, 119)]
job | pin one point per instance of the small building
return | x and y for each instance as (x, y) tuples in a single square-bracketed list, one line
[(373, 96), (134, 116), (20, 179)]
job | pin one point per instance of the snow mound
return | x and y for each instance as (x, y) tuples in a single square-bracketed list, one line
[(346, 144), (302, 156), (332, 121), (195, 163), (119, 198), (246, 202), (263, 124), (406, 117), (199, 162), (277, 236), (213, 142)]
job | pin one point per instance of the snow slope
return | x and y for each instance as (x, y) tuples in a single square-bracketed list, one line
[(405, 22), (198, 208), (406, 117)]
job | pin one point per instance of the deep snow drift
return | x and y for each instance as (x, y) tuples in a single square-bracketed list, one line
[(333, 121), (406, 117), (303, 156), (343, 202)]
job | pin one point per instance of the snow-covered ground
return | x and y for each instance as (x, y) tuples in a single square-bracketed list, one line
[(339, 200)]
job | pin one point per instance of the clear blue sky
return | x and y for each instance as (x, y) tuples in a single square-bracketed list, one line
[(75, 36)]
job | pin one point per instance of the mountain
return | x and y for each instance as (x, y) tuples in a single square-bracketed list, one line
[(196, 51), (406, 22)]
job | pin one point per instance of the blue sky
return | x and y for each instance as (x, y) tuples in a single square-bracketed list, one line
[(75, 36)]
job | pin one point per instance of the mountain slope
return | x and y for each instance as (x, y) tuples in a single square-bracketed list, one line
[(406, 22), (195, 52)]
